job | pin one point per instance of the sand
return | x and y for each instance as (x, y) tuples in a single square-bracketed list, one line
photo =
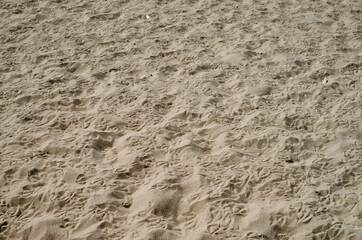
[(204, 120)]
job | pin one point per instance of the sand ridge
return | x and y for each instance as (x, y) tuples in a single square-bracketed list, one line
[(205, 120)]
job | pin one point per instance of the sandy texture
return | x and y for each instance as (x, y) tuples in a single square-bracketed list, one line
[(209, 120)]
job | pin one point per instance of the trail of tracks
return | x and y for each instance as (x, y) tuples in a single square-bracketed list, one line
[(209, 120)]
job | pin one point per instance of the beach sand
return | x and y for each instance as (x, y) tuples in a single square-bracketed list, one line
[(195, 120)]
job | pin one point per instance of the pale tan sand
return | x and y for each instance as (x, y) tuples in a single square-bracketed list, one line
[(209, 120)]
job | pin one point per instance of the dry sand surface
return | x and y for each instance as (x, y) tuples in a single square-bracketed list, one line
[(195, 120)]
